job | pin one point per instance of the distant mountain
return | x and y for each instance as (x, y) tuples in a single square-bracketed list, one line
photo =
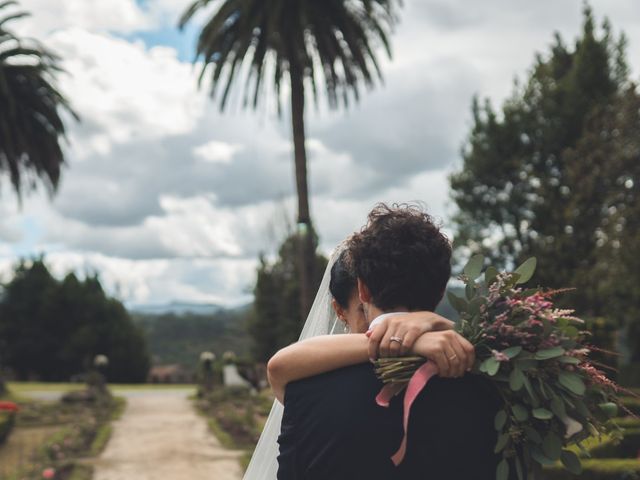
[(177, 333), (177, 308)]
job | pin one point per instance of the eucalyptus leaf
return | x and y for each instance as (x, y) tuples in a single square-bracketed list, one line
[(520, 412), (552, 446), (516, 379), (502, 442), (502, 472), (532, 434), (490, 366), (571, 331), (526, 270), (526, 363), (474, 267), (512, 352), (609, 408), (500, 420), (571, 462), (572, 382), (535, 401), (519, 469), (460, 305), (548, 353), (542, 414), (558, 407), (540, 457), (475, 304), (569, 360), (470, 290), (490, 275)]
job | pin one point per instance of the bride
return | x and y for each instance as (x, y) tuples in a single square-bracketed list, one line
[(321, 349)]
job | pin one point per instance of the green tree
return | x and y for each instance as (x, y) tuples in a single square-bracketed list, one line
[(327, 45), (554, 174), (52, 329), (31, 127), (276, 321)]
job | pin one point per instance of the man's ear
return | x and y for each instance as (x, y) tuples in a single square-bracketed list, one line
[(363, 292)]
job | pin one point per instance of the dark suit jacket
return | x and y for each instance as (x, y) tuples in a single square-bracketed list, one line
[(332, 429)]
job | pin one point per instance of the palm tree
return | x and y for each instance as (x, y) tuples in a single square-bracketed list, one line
[(320, 44), (30, 106)]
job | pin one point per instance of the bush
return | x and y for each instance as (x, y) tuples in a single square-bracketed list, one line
[(7, 421), (599, 469)]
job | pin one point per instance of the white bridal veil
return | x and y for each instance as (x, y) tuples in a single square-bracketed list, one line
[(321, 321)]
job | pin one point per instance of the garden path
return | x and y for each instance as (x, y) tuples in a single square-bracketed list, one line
[(161, 436)]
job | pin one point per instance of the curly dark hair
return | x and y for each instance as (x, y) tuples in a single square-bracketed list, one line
[(402, 257)]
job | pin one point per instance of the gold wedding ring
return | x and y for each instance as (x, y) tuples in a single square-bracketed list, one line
[(395, 339), (453, 356)]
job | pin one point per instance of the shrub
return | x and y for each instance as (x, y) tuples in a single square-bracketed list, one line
[(599, 469), (7, 421)]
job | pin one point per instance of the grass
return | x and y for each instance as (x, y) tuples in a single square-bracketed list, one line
[(81, 472), (121, 404), (100, 441), (225, 439), (17, 388)]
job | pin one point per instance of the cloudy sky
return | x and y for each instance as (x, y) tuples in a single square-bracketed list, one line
[(169, 200)]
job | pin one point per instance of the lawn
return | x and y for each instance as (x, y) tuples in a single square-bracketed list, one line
[(26, 387)]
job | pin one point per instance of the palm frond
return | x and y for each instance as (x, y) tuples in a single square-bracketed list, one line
[(31, 126), (332, 40)]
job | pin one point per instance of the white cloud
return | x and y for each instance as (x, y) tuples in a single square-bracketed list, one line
[(121, 16), (217, 152), (170, 199)]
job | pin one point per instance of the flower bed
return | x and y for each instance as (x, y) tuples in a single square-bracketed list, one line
[(82, 437), (8, 411)]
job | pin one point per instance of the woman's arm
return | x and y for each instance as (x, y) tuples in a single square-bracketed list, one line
[(328, 352), (314, 356)]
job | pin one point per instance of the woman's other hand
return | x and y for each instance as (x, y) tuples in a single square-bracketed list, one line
[(396, 335)]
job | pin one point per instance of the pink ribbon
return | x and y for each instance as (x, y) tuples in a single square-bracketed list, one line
[(416, 384)]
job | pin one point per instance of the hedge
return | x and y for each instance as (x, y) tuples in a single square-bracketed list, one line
[(599, 469)]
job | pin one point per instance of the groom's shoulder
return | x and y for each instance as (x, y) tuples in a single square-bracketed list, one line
[(359, 377)]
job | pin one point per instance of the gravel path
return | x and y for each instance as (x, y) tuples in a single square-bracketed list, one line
[(161, 436)]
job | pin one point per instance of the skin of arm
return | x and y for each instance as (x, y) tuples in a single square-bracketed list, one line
[(314, 356), (329, 352)]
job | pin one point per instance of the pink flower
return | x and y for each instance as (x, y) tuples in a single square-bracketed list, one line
[(9, 406), (501, 357), (48, 473)]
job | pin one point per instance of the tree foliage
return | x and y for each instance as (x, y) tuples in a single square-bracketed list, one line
[(52, 329), (181, 338), (276, 321), (554, 174), (31, 126)]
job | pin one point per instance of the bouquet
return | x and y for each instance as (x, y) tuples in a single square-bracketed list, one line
[(537, 357)]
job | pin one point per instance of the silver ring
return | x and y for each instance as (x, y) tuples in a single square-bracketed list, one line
[(395, 339), (452, 357)]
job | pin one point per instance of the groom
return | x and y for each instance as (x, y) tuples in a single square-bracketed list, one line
[(332, 429)]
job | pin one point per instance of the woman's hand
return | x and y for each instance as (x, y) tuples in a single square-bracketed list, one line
[(453, 353), (407, 327)]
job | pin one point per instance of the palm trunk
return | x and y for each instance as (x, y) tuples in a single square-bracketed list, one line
[(305, 231)]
